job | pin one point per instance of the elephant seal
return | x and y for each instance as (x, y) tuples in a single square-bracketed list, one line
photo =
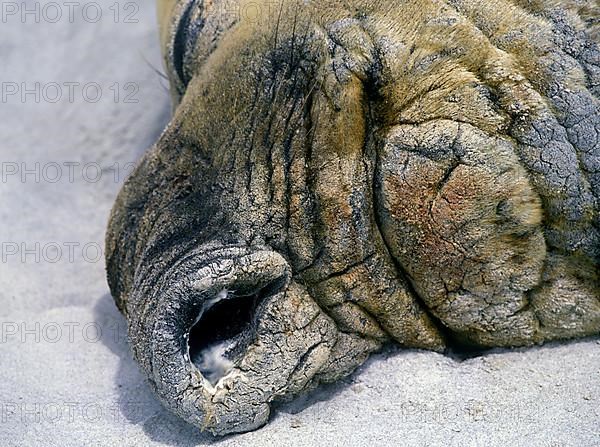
[(338, 175)]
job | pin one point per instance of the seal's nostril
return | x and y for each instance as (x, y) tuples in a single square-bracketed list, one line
[(221, 332), (225, 328)]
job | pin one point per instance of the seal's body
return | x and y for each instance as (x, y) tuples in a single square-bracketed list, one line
[(338, 175)]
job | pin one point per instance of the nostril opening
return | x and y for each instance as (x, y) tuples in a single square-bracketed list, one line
[(225, 329)]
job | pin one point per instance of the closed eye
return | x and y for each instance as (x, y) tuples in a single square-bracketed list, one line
[(188, 28)]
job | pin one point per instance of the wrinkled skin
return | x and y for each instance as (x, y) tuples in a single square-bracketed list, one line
[(339, 175)]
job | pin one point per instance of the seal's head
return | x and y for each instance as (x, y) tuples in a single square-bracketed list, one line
[(337, 175)]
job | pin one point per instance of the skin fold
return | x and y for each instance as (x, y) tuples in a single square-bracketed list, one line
[(338, 175)]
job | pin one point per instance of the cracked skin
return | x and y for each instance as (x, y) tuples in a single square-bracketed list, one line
[(345, 174)]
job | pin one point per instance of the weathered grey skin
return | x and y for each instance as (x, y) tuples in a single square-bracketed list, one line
[(422, 172)]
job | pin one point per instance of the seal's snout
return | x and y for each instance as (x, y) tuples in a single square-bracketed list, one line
[(227, 333)]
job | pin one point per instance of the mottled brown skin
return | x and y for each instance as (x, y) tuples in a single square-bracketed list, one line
[(339, 175)]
